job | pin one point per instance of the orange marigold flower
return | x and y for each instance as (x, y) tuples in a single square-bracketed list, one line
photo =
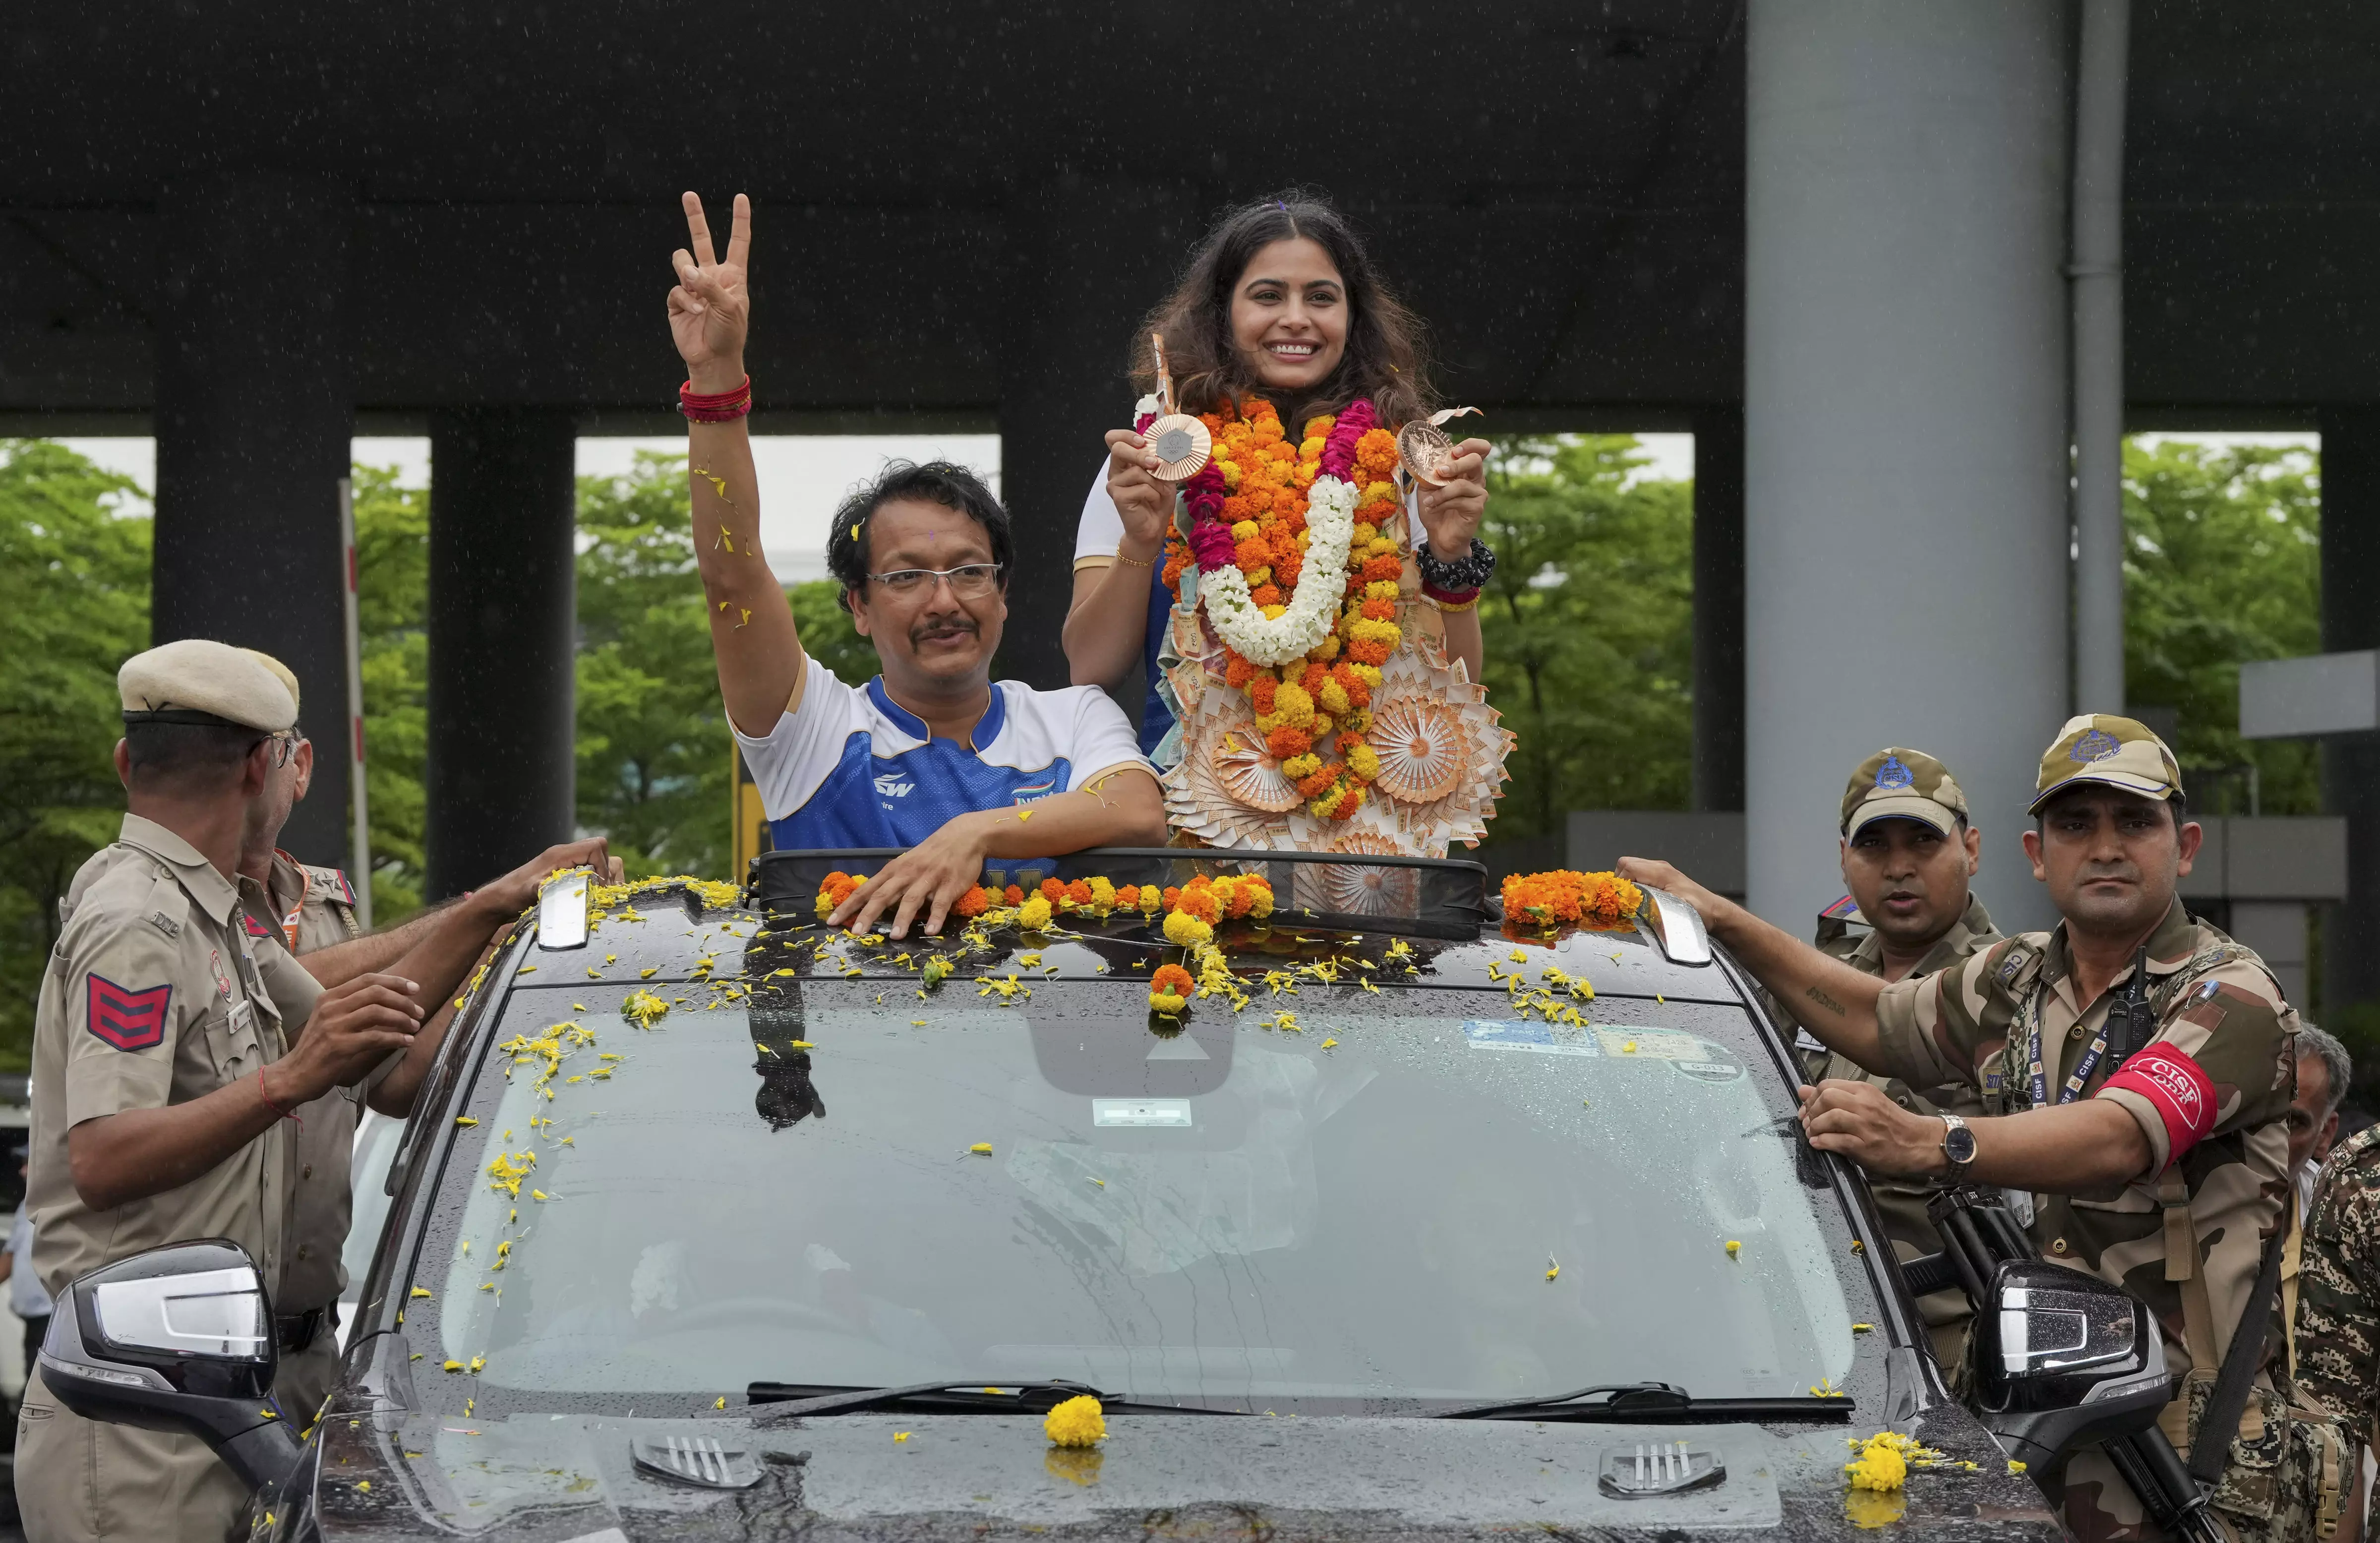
[(1173, 980), (1014, 896), (1239, 670), (1051, 889), (1321, 782), (1267, 594), (1260, 694), (1200, 902), (1365, 650), (1237, 508), (1285, 572), (1173, 897), (1376, 569), (1281, 451), (1286, 743), (1380, 610), (1376, 513), (1251, 554), (1376, 444), (1128, 897), (1079, 892)]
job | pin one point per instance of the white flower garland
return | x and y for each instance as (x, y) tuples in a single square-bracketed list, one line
[(1313, 608)]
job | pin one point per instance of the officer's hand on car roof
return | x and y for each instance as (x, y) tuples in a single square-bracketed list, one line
[(1654, 874), (517, 890)]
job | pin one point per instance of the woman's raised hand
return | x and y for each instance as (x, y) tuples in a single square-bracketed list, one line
[(1450, 512), (1144, 502), (709, 310)]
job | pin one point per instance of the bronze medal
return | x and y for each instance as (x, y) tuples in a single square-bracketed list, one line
[(1426, 451), (1181, 443)]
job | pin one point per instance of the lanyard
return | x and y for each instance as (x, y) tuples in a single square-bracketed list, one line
[(297, 909), (2130, 1011)]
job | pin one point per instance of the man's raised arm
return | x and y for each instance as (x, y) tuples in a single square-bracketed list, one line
[(761, 662), (1833, 1001)]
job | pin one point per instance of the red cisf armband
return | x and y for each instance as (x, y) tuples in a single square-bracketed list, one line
[(2181, 1093)]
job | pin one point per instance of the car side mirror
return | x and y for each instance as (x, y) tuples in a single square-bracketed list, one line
[(176, 1339), (2064, 1359)]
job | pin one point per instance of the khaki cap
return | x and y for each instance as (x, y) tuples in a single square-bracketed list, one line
[(196, 680), (1903, 784), (281, 673), (2102, 747)]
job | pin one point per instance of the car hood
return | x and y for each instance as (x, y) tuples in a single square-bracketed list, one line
[(573, 1478)]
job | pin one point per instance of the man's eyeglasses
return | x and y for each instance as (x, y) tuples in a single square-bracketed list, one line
[(968, 580)]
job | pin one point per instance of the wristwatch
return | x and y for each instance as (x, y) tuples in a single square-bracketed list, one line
[(1958, 1147)]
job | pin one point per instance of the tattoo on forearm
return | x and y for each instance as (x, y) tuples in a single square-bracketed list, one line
[(1822, 999)]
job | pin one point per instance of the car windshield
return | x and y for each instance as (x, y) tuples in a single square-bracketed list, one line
[(1411, 1196)]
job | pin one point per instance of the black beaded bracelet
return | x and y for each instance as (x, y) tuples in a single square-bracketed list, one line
[(1471, 571)]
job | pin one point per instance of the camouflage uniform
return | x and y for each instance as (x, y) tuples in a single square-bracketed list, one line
[(2338, 1290), (2216, 1005), (1900, 1201)]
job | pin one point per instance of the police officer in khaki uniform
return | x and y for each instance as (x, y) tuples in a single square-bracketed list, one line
[(166, 1056), (310, 912), (2155, 1140), (1908, 853)]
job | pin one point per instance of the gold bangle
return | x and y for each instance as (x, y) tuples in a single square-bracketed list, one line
[(1135, 561), (1444, 606)]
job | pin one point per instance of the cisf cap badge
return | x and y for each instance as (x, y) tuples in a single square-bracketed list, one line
[(1892, 775), (2096, 745)]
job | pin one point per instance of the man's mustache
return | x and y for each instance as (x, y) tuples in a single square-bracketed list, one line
[(961, 623)]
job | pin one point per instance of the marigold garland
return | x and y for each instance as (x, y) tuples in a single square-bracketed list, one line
[(1294, 533), (1193, 910), (1565, 897)]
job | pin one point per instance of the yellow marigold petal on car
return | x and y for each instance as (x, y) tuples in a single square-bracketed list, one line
[(1077, 1422)]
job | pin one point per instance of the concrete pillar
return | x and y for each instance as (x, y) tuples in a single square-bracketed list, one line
[(1905, 450), (254, 414), (1718, 608), (2350, 763), (503, 616), (1086, 259)]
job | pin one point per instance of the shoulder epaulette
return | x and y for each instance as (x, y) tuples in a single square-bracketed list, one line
[(334, 882)]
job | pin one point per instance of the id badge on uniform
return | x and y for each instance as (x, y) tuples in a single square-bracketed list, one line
[(242, 1015)]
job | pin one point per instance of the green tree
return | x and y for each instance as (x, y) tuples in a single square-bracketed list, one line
[(2222, 565), (1588, 624), (76, 572), (392, 612)]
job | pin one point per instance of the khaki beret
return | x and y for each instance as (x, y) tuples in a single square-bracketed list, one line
[(196, 680), (281, 673), (1903, 784), (2102, 747)]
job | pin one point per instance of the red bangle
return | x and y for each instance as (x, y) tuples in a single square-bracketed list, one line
[(722, 408), (283, 1113), (1451, 600)]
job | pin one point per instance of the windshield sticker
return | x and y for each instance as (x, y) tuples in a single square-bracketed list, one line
[(1170, 1114), (1709, 1071), (1492, 1034), (1649, 1044)]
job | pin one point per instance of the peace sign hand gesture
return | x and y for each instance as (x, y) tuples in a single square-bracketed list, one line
[(709, 311)]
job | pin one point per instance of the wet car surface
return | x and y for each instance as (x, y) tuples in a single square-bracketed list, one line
[(1435, 1174)]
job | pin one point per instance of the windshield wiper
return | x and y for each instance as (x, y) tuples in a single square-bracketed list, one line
[(1652, 1403), (794, 1400)]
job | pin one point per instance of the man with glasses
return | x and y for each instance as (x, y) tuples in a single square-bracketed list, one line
[(932, 754)]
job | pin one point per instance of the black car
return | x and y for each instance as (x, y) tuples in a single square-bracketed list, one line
[(713, 1222)]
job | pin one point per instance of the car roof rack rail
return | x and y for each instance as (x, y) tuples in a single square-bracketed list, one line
[(1677, 928)]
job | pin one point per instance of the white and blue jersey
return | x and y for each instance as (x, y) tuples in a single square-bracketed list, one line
[(851, 767)]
